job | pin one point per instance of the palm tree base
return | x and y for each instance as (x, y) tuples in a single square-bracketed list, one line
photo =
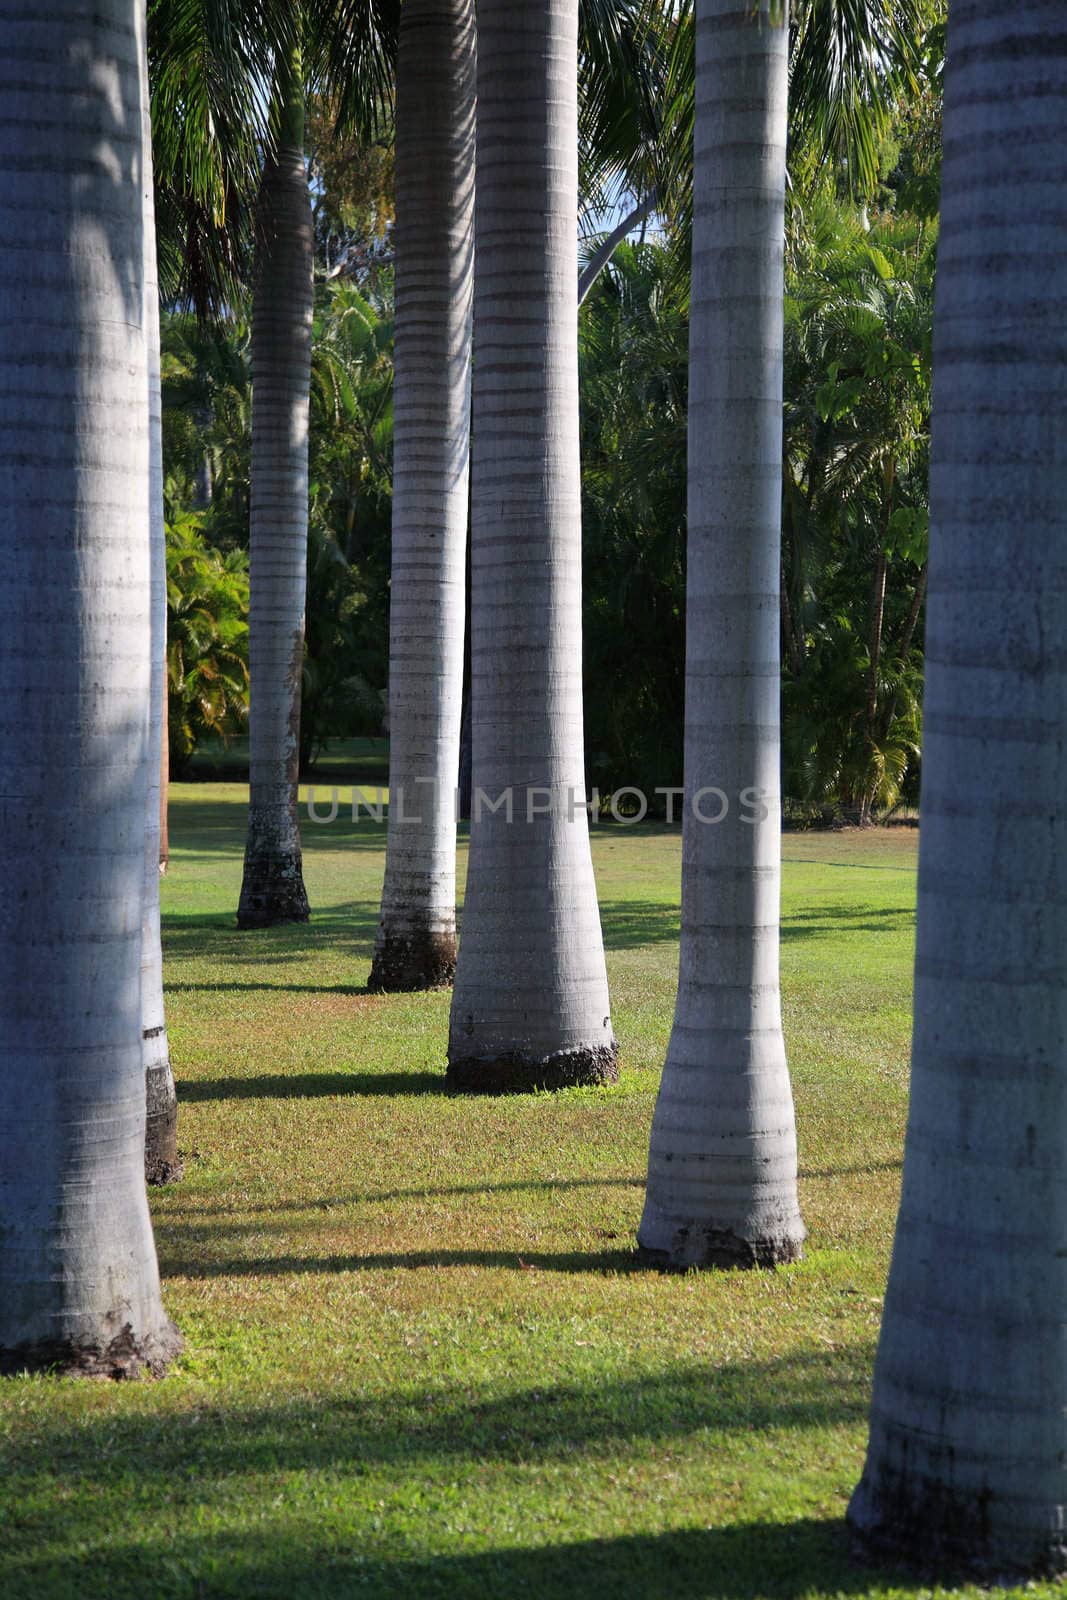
[(698, 1245), (123, 1357), (515, 1073), (404, 962), (914, 1522), (272, 892), (162, 1163), (159, 1172)]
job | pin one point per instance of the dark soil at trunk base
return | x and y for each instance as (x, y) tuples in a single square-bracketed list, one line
[(518, 1074), (411, 961), (699, 1246), (124, 1357)]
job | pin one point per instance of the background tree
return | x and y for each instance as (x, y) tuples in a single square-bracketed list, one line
[(272, 889), (722, 1175), (416, 940), (161, 1161), (530, 1005)]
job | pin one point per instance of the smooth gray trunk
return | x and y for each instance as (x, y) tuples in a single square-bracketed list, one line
[(273, 887), (161, 1162), (722, 1174), (416, 944), (530, 1005), (79, 1282), (967, 1460)]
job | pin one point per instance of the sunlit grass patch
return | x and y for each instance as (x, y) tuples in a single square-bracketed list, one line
[(420, 1356)]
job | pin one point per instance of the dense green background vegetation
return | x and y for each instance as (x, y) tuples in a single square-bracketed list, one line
[(859, 316)]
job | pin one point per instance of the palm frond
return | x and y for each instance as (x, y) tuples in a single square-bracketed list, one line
[(846, 56), (350, 53)]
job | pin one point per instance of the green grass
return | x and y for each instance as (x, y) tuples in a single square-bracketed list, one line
[(419, 1358)]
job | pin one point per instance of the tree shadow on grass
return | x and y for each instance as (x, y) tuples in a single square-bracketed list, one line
[(427, 1192), (344, 920), (749, 1561), (752, 1561), (337, 1453), (595, 1262), (301, 1085), (341, 990), (629, 924), (176, 1500), (833, 921), (349, 929), (216, 826), (807, 1388), (859, 1171)]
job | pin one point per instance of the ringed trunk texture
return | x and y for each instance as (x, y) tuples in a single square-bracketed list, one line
[(416, 943), (273, 886), (161, 1162), (968, 1443), (722, 1174), (79, 1282), (530, 1006)]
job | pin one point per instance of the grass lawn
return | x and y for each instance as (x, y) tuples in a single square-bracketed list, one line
[(419, 1358)]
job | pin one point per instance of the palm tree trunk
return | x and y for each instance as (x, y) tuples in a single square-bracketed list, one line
[(79, 1282), (722, 1176), (204, 481), (607, 247), (416, 944), (913, 617), (870, 715), (164, 746), (531, 998), (161, 1163), (910, 625), (273, 886), (965, 1464)]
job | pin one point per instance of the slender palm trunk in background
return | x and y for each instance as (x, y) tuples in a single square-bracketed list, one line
[(79, 1283), (969, 1419), (416, 945), (722, 1178), (531, 1000), (164, 742), (161, 1162), (273, 886)]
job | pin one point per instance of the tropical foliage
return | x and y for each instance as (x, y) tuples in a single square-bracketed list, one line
[(858, 327), (854, 502), (858, 335), (856, 421), (207, 409), (207, 639), (634, 359)]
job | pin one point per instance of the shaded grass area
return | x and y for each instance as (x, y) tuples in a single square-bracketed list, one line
[(361, 760), (420, 1356)]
